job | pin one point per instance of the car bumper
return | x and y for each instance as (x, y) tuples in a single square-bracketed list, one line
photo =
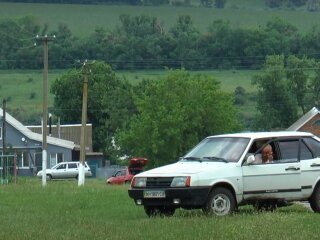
[(192, 197)]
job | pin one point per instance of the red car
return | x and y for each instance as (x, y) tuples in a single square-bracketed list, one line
[(125, 175)]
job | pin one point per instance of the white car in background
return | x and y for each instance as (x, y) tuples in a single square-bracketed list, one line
[(65, 170)]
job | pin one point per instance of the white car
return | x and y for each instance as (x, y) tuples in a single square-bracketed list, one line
[(65, 170), (223, 172)]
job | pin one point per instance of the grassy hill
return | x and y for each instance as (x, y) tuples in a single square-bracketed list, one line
[(30, 83), (83, 19)]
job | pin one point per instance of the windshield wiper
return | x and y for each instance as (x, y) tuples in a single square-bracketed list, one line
[(192, 158), (218, 159)]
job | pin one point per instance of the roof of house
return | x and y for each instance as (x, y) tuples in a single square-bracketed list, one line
[(35, 136), (71, 132), (303, 120)]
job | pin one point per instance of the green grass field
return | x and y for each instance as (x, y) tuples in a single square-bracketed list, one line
[(23, 88), (83, 19), (62, 210)]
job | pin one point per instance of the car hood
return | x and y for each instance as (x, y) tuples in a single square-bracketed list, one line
[(183, 168)]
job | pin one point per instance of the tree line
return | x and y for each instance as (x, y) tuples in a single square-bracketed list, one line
[(143, 42), (161, 119)]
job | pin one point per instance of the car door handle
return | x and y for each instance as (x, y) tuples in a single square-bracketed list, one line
[(293, 168), (315, 165)]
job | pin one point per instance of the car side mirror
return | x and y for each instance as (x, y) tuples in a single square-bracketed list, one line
[(250, 159)]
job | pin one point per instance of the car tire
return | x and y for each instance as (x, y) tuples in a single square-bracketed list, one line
[(162, 211), (314, 200), (220, 202), (49, 177)]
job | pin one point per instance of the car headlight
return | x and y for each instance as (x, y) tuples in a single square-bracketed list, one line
[(181, 181), (139, 182)]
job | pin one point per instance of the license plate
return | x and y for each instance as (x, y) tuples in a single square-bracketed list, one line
[(154, 194)]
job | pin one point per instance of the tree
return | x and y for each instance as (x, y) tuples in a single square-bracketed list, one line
[(184, 38), (136, 43), (110, 103), (297, 77), (276, 106), (174, 113)]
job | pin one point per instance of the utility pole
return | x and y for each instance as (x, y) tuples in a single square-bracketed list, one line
[(45, 39), (81, 176)]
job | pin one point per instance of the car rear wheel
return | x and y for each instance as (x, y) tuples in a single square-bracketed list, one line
[(315, 199), (220, 202), (164, 211)]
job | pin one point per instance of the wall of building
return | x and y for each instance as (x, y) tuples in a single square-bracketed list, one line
[(312, 126)]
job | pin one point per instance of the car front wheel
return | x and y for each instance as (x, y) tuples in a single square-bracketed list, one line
[(315, 199), (220, 202)]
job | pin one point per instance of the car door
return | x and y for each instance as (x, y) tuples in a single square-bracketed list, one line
[(279, 179), (73, 170), (310, 164), (60, 171)]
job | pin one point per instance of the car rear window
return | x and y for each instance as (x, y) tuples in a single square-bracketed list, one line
[(72, 165)]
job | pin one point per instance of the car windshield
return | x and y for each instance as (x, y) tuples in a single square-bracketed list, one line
[(222, 149)]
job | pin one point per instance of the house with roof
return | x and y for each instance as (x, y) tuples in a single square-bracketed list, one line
[(27, 145), (309, 122)]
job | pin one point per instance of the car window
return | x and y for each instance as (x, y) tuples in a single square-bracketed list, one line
[(120, 173), (314, 145), (289, 150), (62, 166), (72, 165), (305, 152)]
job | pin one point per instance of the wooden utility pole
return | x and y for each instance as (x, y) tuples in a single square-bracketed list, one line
[(81, 176), (45, 39)]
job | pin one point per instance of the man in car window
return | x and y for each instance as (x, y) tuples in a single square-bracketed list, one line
[(267, 154)]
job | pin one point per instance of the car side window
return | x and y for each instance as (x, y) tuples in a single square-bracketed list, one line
[(62, 166), (72, 165), (305, 152), (314, 145), (289, 150)]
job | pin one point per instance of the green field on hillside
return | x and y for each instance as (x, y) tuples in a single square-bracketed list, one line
[(24, 87), (62, 210), (83, 19)]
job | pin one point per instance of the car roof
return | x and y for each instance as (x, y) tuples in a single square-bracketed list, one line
[(257, 135)]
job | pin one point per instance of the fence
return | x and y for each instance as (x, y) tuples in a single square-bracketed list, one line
[(8, 168)]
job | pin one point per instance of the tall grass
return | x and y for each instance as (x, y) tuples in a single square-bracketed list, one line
[(62, 210)]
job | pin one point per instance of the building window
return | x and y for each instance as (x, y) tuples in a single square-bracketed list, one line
[(55, 158), (0, 133), (23, 159)]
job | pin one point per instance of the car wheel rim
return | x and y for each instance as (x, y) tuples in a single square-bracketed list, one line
[(221, 205)]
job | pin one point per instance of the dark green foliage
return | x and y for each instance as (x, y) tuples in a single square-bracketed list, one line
[(32, 95), (142, 42), (240, 96)]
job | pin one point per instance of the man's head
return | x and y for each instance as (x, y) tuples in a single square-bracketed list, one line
[(267, 154)]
